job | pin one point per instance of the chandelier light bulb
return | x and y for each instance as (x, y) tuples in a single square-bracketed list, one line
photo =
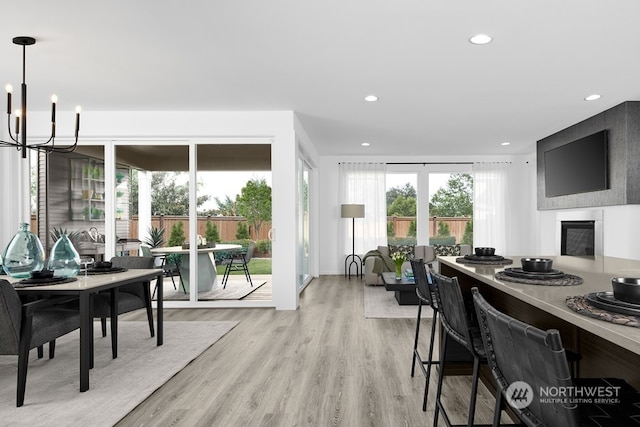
[(78, 109), (54, 98), (18, 112), (8, 88)]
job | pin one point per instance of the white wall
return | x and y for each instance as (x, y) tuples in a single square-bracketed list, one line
[(522, 234)]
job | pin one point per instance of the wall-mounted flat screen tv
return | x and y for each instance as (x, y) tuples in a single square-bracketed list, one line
[(580, 166)]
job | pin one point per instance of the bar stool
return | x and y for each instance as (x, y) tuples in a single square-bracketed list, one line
[(519, 353), (426, 297), (460, 327)]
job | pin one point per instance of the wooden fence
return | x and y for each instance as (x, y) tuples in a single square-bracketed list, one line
[(227, 226), (456, 225)]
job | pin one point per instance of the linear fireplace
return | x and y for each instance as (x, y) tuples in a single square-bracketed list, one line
[(580, 233)]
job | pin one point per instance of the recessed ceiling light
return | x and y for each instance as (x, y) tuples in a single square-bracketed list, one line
[(365, 144), (593, 97), (481, 39), (505, 143), (371, 98)]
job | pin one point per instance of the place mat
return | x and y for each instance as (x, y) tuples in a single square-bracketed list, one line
[(97, 271), (26, 283), (567, 280), (580, 305), (487, 261)]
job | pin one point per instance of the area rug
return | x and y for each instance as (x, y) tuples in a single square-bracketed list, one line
[(116, 385), (381, 304), (234, 291)]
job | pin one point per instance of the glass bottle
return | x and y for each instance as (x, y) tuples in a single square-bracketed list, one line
[(64, 259), (23, 254)]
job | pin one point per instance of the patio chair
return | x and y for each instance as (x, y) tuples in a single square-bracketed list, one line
[(27, 326), (168, 265), (238, 261)]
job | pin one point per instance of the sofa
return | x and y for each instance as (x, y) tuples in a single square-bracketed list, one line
[(375, 263)]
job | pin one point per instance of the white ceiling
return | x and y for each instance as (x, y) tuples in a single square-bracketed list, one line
[(439, 94)]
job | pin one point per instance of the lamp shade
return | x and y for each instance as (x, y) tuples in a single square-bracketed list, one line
[(352, 211)]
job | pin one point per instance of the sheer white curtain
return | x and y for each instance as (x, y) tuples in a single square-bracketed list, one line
[(363, 183), (491, 214)]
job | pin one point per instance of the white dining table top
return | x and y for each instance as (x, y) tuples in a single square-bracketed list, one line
[(220, 247)]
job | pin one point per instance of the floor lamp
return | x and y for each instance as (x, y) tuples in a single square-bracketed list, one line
[(353, 212)]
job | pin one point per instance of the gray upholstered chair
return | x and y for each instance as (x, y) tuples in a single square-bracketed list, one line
[(30, 325), (131, 297)]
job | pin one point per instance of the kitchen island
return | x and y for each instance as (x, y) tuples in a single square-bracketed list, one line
[(607, 349)]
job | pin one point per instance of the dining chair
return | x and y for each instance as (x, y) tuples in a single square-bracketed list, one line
[(31, 325), (426, 297), (458, 325), (169, 267), (519, 353), (131, 297), (238, 261)]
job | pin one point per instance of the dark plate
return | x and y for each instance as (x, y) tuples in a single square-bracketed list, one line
[(484, 257), (534, 275), (105, 270), (609, 298), (45, 281), (593, 299)]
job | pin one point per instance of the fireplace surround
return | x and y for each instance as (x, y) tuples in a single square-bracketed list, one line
[(579, 233)]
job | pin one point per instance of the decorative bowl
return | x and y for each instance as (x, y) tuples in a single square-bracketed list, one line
[(42, 274), (102, 265), (485, 251), (626, 289), (538, 265)]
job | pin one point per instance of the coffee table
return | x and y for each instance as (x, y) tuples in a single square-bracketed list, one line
[(405, 291)]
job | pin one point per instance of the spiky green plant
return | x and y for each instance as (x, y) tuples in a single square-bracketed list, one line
[(155, 238)]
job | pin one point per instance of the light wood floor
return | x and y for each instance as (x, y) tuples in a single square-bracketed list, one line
[(322, 365)]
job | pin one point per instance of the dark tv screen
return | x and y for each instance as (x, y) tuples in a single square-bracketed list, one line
[(577, 167)]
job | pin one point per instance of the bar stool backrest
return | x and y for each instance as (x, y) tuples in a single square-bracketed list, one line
[(517, 351), (454, 317), (422, 281)]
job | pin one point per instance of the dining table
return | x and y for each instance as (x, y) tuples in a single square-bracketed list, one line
[(83, 287), (206, 264)]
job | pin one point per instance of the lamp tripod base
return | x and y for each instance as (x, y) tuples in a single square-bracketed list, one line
[(347, 265)]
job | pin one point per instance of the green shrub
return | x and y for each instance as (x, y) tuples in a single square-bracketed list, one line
[(242, 232), (390, 231), (401, 240), (177, 237), (412, 229), (467, 238), (263, 246), (211, 233), (443, 229)]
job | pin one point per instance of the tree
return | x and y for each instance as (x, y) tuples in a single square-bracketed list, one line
[(254, 203), (167, 196), (226, 207), (467, 238), (402, 206), (443, 229), (395, 192), (454, 200)]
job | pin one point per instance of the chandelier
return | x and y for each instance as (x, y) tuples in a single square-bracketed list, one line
[(19, 136)]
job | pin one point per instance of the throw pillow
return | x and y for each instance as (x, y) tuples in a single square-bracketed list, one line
[(408, 250), (446, 250)]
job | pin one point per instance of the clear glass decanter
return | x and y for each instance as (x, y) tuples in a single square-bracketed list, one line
[(64, 259), (23, 254)]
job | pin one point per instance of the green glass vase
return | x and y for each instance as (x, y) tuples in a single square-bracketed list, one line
[(64, 259), (23, 254)]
